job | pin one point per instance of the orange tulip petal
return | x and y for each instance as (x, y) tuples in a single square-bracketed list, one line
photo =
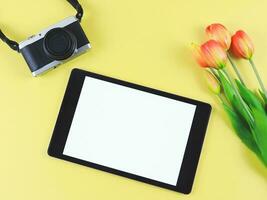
[(198, 55), (219, 33)]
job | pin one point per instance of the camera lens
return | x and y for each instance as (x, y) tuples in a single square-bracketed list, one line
[(59, 44)]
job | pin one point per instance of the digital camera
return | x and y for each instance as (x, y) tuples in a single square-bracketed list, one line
[(54, 45)]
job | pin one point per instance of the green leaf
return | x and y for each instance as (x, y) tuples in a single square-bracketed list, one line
[(242, 130), (264, 99), (233, 98), (249, 97), (259, 131), (247, 116), (243, 113), (227, 87), (263, 96)]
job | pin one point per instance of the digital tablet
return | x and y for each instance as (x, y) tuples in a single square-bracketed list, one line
[(130, 130)]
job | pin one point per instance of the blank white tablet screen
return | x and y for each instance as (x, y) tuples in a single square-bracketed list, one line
[(130, 130)]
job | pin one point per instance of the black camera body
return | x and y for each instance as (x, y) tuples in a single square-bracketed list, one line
[(54, 45)]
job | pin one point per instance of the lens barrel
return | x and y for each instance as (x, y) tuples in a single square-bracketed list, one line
[(59, 44)]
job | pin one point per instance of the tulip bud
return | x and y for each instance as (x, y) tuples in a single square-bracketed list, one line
[(242, 46), (214, 54), (198, 55), (220, 34), (212, 83)]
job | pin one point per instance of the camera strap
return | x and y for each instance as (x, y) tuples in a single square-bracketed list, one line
[(15, 46), (12, 44)]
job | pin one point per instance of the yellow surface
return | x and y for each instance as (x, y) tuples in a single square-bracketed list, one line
[(145, 42)]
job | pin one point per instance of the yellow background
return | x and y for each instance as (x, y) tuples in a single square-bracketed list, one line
[(145, 42)]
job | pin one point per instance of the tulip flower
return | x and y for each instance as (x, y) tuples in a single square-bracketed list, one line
[(242, 46), (220, 34), (214, 54), (212, 83)]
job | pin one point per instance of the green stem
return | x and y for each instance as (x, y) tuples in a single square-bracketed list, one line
[(238, 95), (213, 71), (258, 76), (235, 68)]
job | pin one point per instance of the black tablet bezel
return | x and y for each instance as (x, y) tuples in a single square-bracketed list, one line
[(193, 147)]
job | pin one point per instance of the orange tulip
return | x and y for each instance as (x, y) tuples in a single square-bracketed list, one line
[(214, 54), (220, 34), (242, 46)]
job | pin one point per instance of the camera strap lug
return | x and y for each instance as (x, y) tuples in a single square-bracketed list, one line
[(75, 4)]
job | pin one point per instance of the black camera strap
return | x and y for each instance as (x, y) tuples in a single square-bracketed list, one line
[(12, 44), (15, 46)]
